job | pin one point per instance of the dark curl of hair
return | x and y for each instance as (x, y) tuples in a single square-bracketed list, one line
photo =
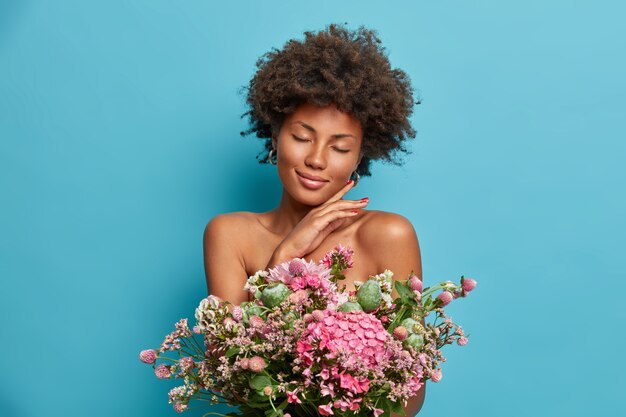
[(347, 68)]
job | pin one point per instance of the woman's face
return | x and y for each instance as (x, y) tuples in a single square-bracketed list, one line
[(317, 150)]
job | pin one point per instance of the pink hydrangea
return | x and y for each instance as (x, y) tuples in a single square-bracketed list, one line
[(148, 356), (355, 331)]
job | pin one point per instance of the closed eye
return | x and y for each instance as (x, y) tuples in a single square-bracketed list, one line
[(341, 150), (299, 139)]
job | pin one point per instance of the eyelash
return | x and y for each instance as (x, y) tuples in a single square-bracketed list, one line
[(306, 140)]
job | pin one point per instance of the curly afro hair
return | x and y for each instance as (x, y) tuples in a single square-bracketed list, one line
[(336, 65)]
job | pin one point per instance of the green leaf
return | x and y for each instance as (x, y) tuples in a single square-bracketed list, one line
[(396, 407), (259, 382), (232, 351), (406, 294)]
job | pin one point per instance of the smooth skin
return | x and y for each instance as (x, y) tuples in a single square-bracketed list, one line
[(326, 143)]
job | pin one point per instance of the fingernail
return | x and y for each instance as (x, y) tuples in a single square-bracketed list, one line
[(365, 199), (354, 211), (349, 181)]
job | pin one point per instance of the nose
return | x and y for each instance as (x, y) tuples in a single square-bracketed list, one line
[(316, 158)]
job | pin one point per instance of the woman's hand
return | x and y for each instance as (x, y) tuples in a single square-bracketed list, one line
[(311, 231)]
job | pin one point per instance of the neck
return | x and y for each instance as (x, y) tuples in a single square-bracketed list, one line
[(288, 214)]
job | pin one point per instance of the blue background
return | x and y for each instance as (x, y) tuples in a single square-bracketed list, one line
[(119, 141)]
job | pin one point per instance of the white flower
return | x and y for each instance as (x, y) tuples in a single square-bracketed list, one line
[(387, 299)]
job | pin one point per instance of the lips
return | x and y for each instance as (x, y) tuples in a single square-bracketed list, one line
[(312, 182)]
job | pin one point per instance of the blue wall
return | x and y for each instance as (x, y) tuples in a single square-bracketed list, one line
[(119, 140)]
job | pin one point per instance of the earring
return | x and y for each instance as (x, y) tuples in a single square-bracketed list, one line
[(270, 157), (357, 177)]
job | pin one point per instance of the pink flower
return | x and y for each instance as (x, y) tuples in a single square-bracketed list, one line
[(299, 297), (445, 297), (229, 323), (197, 329), (256, 322), (416, 284), (462, 341), (180, 407), (162, 371), (244, 363), (400, 333), (436, 375), (318, 315), (148, 356), (292, 397), (313, 281), (468, 284), (267, 390), (378, 411), (237, 313), (256, 364), (325, 410), (186, 363), (296, 267), (298, 283), (308, 318)]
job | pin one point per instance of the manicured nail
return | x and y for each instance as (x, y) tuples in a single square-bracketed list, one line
[(365, 199), (354, 211), (349, 181)]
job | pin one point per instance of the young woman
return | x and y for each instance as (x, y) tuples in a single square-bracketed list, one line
[(326, 107)]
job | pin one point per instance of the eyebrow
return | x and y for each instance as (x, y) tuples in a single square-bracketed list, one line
[(336, 135)]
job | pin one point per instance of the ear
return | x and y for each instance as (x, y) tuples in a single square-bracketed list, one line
[(358, 162)]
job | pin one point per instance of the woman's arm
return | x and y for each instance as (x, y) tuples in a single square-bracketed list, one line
[(393, 240), (223, 264)]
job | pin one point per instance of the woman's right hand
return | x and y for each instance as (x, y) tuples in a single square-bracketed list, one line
[(311, 231)]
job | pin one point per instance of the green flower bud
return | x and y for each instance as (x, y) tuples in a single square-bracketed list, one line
[(414, 340), (274, 294), (409, 324), (350, 306), (369, 295)]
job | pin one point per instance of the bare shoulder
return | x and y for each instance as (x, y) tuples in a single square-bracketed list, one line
[(390, 240), (228, 224), (383, 225)]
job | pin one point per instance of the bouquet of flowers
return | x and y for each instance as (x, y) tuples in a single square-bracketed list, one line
[(306, 347)]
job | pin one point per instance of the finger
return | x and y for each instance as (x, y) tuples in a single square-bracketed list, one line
[(342, 205), (341, 192), (322, 222)]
